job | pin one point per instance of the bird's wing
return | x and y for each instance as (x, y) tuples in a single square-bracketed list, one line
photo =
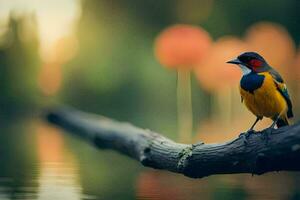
[(281, 87)]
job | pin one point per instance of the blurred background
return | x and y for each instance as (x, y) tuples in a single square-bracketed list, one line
[(99, 56)]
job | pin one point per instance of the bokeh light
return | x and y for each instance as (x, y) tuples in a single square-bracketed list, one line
[(50, 78), (50, 75), (55, 18)]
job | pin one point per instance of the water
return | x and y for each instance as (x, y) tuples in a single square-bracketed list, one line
[(38, 161)]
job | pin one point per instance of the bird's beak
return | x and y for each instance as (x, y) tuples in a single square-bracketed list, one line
[(234, 61)]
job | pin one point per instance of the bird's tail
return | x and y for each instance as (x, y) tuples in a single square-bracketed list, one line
[(282, 122)]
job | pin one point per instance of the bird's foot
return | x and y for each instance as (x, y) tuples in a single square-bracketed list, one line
[(246, 135)]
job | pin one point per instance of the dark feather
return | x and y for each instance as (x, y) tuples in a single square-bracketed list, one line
[(276, 75), (283, 91), (282, 122), (252, 81)]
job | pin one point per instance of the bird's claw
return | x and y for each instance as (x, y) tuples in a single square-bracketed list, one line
[(246, 135)]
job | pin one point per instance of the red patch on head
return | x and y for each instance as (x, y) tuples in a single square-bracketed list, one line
[(254, 64)]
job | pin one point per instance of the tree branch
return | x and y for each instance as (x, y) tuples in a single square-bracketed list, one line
[(281, 152)]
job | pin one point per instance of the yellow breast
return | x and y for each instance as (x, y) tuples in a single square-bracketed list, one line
[(265, 101)]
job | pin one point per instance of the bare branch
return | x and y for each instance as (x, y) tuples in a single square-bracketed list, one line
[(281, 152)]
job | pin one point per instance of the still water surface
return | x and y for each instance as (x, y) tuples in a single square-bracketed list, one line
[(38, 161)]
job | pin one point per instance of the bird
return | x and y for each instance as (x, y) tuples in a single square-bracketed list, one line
[(263, 91)]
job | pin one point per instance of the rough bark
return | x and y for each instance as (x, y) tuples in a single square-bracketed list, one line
[(280, 152)]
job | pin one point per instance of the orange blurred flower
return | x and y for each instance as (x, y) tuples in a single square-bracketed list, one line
[(182, 46), (214, 73)]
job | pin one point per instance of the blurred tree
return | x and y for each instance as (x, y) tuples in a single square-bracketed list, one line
[(18, 64)]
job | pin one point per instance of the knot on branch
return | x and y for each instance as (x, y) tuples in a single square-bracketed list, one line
[(145, 154), (184, 155), (145, 157)]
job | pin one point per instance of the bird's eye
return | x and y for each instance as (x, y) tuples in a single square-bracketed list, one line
[(249, 59)]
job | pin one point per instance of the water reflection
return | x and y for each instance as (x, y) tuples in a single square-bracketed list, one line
[(41, 162), (58, 181), (163, 185), (58, 177), (36, 163)]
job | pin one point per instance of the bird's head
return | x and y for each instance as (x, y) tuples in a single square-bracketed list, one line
[(250, 62)]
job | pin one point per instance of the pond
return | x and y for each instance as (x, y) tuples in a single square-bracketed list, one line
[(39, 161)]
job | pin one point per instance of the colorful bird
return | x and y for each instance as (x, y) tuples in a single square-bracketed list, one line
[(263, 91)]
